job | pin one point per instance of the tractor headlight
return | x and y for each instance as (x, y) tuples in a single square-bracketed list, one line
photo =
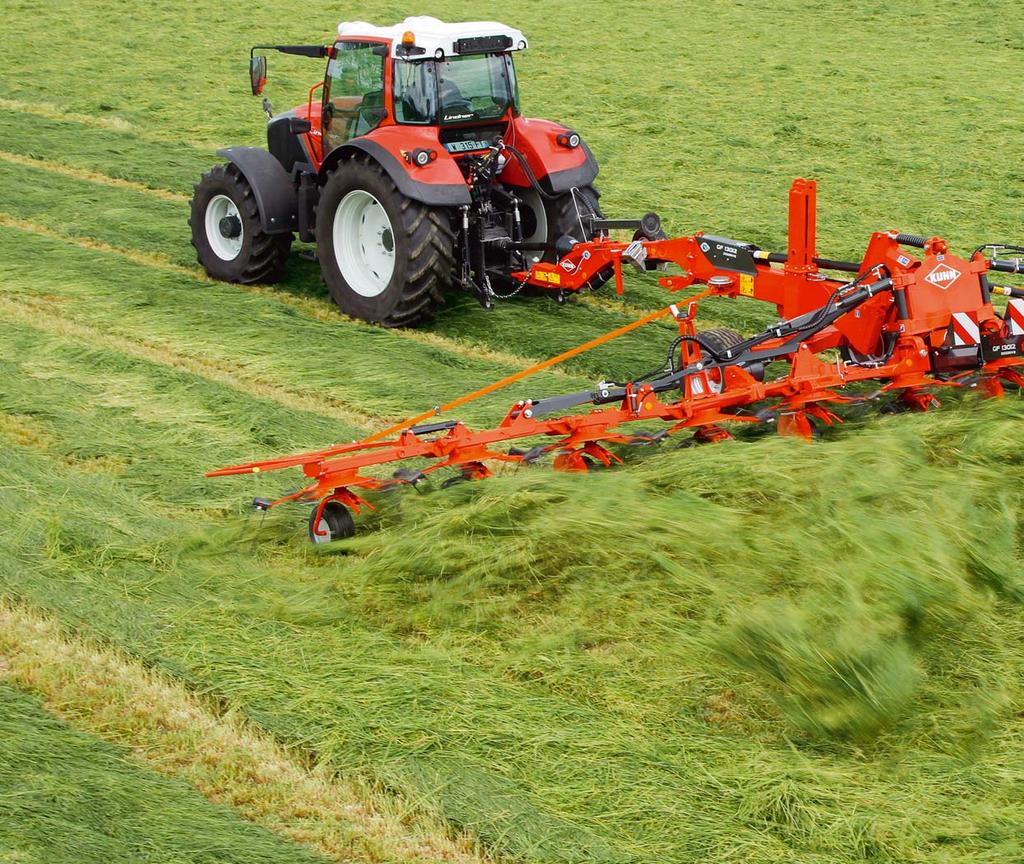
[(421, 157), (568, 139)]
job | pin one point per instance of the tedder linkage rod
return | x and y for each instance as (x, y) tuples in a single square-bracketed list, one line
[(910, 323)]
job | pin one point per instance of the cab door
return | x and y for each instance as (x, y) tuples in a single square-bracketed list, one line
[(354, 92)]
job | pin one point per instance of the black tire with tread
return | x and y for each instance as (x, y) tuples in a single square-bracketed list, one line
[(719, 339), (424, 249), (339, 521), (563, 220), (263, 256)]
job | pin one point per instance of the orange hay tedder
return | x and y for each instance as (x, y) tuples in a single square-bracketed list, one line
[(912, 317)]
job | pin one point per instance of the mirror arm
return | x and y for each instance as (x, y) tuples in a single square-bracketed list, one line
[(298, 50)]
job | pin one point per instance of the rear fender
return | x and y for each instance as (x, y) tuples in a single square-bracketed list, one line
[(273, 189), (438, 184), (557, 168)]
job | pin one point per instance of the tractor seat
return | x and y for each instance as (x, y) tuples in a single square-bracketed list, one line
[(371, 112)]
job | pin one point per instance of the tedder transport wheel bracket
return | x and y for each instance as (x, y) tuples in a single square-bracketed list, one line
[(910, 322)]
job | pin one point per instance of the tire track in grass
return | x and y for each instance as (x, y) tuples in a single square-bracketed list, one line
[(38, 315), (90, 176), (111, 123), (317, 310), (172, 731)]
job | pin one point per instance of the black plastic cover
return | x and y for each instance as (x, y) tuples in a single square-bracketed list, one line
[(726, 254), (482, 44)]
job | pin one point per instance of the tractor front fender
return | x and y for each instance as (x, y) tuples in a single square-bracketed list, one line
[(275, 193), (432, 194)]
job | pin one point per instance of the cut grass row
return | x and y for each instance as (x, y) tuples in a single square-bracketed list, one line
[(321, 650), (169, 730), (354, 366), (66, 798)]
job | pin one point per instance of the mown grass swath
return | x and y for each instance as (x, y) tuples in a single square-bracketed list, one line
[(497, 666), (69, 798), (761, 651)]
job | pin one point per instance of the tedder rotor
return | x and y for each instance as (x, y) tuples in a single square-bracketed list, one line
[(911, 316)]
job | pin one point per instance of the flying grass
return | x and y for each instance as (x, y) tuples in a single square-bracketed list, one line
[(525, 673)]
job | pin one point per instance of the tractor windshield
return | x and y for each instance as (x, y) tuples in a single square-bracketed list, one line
[(462, 89)]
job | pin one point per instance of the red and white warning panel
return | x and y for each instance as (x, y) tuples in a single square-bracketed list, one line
[(1015, 316), (965, 329)]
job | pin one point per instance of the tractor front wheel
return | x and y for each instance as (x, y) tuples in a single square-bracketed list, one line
[(384, 257), (227, 232)]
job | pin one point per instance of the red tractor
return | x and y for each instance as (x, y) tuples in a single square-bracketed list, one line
[(413, 171)]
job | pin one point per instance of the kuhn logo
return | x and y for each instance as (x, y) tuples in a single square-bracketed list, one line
[(568, 266), (942, 276)]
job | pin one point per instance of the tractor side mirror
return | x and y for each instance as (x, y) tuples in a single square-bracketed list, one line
[(257, 73)]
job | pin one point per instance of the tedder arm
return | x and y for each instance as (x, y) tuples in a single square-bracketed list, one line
[(910, 323)]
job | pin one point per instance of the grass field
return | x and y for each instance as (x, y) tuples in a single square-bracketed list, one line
[(757, 652)]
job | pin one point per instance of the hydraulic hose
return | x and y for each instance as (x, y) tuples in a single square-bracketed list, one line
[(528, 171)]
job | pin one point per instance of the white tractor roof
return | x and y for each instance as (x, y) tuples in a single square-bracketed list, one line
[(433, 35)]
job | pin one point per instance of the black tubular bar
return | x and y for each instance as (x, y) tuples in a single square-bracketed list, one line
[(298, 50), (524, 246), (427, 428), (824, 263), (610, 224), (1013, 266), (1008, 291)]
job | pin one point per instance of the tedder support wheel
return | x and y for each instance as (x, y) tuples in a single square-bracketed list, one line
[(227, 232), (335, 523), (716, 341), (719, 339), (384, 257)]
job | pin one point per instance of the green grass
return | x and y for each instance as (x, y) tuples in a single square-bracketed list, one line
[(762, 651), (66, 797)]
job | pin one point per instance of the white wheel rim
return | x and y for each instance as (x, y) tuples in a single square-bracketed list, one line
[(224, 247), (364, 244), (323, 532), (540, 234)]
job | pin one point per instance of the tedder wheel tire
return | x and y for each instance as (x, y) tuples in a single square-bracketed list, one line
[(384, 257), (335, 520), (563, 218), (227, 233), (719, 339)]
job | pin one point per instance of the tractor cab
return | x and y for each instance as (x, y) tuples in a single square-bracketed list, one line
[(422, 73)]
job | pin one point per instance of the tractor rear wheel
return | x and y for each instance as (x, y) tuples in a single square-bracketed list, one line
[(549, 219), (227, 232), (384, 257)]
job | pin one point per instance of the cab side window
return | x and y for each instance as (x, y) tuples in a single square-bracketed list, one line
[(354, 91), (415, 92)]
